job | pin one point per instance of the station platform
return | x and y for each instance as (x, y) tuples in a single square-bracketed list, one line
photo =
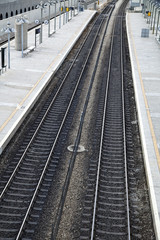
[(145, 62), (22, 84)]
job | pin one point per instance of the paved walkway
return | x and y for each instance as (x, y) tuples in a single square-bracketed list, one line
[(22, 84), (145, 60)]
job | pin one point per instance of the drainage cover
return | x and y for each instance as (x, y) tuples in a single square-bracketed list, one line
[(80, 148)]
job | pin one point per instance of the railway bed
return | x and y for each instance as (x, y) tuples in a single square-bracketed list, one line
[(42, 175)]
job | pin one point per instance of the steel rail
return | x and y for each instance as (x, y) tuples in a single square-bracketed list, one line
[(77, 140), (36, 131), (124, 133), (101, 141), (47, 162)]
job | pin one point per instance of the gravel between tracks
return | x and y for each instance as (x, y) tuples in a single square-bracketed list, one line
[(71, 219)]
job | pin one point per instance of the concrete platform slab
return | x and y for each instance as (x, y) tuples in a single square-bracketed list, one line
[(145, 61), (22, 84)]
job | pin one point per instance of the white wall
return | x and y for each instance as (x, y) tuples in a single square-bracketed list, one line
[(33, 15)]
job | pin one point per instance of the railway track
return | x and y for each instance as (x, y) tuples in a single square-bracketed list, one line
[(26, 181), (106, 213), (109, 206)]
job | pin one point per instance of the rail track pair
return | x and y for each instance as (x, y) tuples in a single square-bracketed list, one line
[(26, 181)]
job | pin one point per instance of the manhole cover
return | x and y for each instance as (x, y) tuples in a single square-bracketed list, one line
[(134, 122), (80, 148)]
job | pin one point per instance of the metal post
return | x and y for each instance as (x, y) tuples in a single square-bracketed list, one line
[(78, 4), (152, 16), (157, 22), (55, 18), (22, 37), (41, 25), (145, 6), (9, 50), (49, 20), (74, 8), (1, 63), (35, 39), (71, 8), (154, 20), (152, 13), (64, 12), (67, 12), (69, 4), (149, 9), (60, 15), (8, 30), (150, 6)]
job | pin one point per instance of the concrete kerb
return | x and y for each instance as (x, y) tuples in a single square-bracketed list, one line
[(35, 96), (143, 129)]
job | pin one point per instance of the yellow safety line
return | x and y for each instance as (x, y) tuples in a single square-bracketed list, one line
[(28, 94), (21, 103), (146, 105)]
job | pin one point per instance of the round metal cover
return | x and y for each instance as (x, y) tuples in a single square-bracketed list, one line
[(80, 148)]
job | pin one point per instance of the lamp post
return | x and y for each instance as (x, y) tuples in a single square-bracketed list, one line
[(74, 7), (149, 11), (67, 11), (78, 5), (71, 8), (150, 5), (158, 20), (152, 12), (8, 30), (154, 17), (42, 5), (55, 9), (144, 8), (64, 12), (50, 3), (60, 14), (21, 21)]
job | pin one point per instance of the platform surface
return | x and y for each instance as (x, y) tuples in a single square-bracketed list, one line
[(22, 84), (145, 61)]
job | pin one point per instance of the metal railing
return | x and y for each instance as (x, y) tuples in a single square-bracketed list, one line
[(151, 11)]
